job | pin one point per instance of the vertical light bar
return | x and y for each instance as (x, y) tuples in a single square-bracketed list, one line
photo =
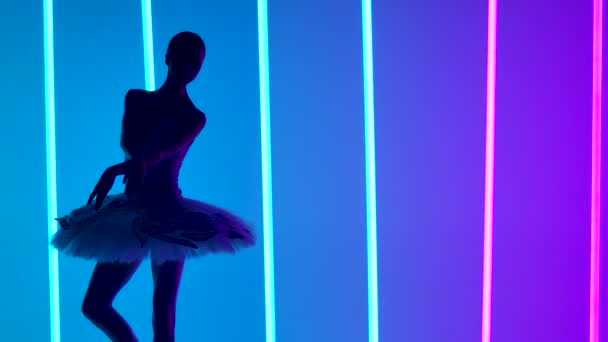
[(266, 169), (265, 144), (596, 147), (370, 172), (51, 176), (146, 16), (486, 325)]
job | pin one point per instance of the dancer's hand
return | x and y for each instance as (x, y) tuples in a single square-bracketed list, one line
[(103, 187)]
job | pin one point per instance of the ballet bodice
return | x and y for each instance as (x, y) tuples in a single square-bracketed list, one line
[(162, 179)]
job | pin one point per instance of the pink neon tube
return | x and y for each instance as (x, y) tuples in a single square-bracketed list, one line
[(486, 325), (596, 162)]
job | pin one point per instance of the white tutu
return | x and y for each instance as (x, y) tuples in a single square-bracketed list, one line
[(121, 231)]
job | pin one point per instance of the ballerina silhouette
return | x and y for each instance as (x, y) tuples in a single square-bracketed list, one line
[(150, 218)]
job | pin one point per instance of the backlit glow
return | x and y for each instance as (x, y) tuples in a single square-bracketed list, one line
[(596, 162), (146, 15), (486, 324), (265, 135), (51, 171), (370, 171)]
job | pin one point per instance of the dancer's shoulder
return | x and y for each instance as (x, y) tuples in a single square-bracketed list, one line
[(136, 94)]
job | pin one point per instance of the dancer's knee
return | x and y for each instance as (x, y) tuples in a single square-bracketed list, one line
[(93, 310)]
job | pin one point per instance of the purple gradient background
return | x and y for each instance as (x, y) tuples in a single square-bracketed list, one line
[(604, 194), (543, 171), (430, 116), (430, 111)]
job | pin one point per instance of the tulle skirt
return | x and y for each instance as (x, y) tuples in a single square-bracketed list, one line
[(124, 231)]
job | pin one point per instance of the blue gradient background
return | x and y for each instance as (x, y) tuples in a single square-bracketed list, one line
[(24, 255), (319, 170), (430, 77)]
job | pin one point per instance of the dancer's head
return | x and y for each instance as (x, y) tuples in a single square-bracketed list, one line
[(184, 57)]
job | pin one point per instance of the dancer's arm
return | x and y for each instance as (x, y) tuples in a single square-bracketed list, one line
[(106, 181), (132, 137)]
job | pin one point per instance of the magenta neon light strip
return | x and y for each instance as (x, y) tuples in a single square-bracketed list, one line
[(486, 323), (594, 290)]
